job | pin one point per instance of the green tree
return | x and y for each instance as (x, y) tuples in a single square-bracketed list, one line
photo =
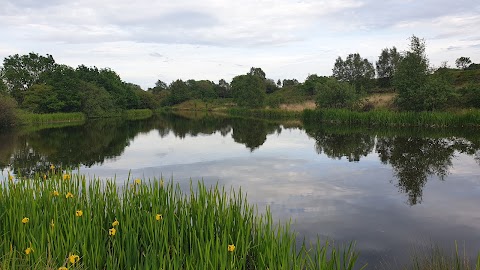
[(7, 110), (416, 90), (310, 84), (42, 98), (204, 89), (335, 94), (289, 82), (248, 91), (159, 87), (22, 71), (270, 86), (257, 72), (179, 92), (387, 65), (463, 62), (64, 81), (356, 70), (96, 101), (223, 89)]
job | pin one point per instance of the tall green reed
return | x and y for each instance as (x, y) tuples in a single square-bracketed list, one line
[(70, 221)]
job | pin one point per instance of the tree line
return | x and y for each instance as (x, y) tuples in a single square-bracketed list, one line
[(38, 84)]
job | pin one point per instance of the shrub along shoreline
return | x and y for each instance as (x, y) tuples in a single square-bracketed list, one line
[(59, 219)]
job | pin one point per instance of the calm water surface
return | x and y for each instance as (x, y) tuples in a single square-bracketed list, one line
[(389, 190)]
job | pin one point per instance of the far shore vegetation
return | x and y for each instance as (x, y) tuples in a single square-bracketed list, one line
[(401, 88)]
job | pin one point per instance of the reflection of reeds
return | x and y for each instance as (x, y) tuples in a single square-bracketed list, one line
[(398, 119), (57, 220), (265, 113), (437, 259), (138, 114)]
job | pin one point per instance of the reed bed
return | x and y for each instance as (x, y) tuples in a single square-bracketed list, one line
[(437, 259), (60, 220), (469, 118), (35, 118)]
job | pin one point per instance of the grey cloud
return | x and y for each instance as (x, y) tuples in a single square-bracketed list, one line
[(454, 48), (380, 14)]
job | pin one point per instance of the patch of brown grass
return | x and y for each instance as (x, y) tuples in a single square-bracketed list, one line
[(381, 100), (298, 107)]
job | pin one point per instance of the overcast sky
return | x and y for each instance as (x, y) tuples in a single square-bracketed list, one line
[(146, 40)]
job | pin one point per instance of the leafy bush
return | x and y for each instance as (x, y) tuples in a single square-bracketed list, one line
[(335, 94), (7, 110), (470, 96)]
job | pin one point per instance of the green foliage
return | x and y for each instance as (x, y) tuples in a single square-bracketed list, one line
[(36, 118), (394, 119), (356, 70), (335, 94), (223, 89), (146, 225), (470, 96), (138, 114), (159, 87), (22, 71), (435, 94), (387, 65), (41, 98), (7, 110), (473, 66), (96, 101), (179, 92), (257, 72), (204, 89), (248, 91), (310, 84), (270, 86), (411, 77)]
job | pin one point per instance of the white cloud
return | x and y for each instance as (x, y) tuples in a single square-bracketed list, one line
[(216, 39)]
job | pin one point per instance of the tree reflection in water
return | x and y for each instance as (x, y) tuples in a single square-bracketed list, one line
[(415, 155)]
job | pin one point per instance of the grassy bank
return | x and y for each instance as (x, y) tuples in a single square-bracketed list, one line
[(26, 118), (469, 118), (62, 220)]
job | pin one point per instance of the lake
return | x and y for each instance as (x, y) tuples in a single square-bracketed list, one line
[(390, 190)]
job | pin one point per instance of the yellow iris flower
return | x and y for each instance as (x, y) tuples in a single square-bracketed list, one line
[(231, 248), (73, 258), (79, 213), (158, 217), (28, 250), (112, 232), (25, 220), (115, 223), (69, 195)]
